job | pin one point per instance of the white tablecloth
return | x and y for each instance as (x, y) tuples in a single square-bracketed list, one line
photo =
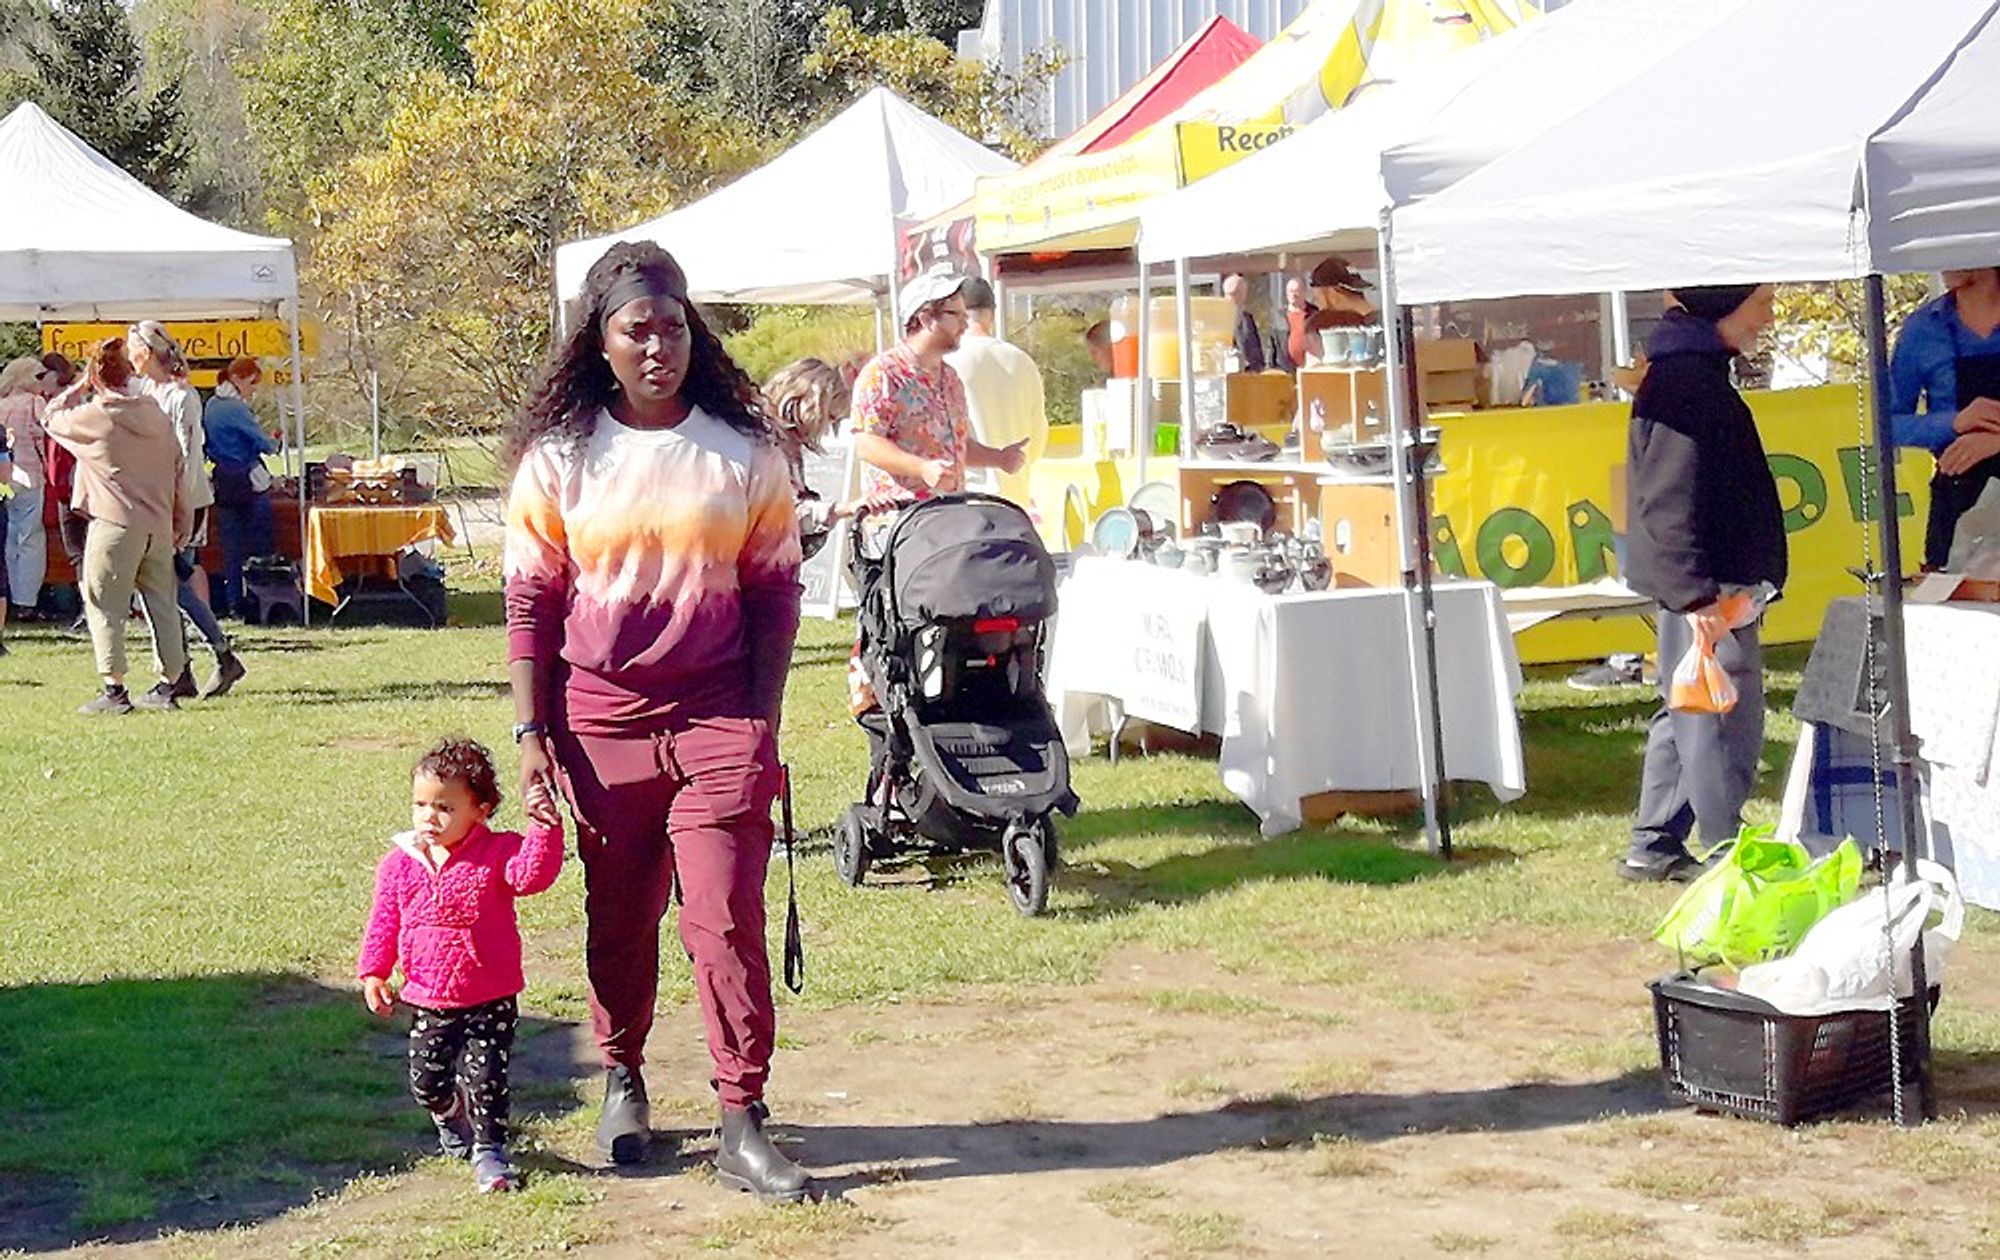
[(1309, 692)]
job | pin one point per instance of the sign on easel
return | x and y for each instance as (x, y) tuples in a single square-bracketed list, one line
[(832, 475)]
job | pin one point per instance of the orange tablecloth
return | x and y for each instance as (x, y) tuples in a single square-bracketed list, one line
[(334, 534)]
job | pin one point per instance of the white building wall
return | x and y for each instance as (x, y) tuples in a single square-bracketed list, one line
[(1112, 44)]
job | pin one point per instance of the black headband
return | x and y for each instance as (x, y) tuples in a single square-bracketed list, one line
[(646, 283)]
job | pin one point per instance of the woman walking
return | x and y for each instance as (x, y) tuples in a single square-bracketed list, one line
[(162, 368), (242, 508), (128, 482), (652, 599), (807, 398), (25, 386)]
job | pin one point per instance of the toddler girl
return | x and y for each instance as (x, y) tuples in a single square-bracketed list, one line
[(444, 909)]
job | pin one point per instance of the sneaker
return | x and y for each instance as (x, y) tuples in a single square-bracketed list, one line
[(1678, 868), (112, 700), (229, 671), (492, 1171), (184, 688), (80, 626), (1622, 670), (159, 696), (454, 1129)]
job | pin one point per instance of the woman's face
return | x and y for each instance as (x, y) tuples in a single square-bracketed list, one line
[(647, 344), (245, 385), (140, 354)]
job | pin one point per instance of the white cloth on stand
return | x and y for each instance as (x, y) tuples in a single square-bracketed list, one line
[(1310, 693)]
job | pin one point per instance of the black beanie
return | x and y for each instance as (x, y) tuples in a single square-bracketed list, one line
[(1713, 301)]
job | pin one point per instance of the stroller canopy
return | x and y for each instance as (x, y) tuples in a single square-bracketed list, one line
[(969, 558)]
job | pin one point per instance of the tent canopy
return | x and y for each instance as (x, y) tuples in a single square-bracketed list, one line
[(79, 238), (818, 223), (1751, 153), (1323, 190), (1312, 67)]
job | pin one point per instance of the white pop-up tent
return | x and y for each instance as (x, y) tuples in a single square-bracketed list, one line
[(820, 222), (1797, 140), (81, 239), (1794, 140)]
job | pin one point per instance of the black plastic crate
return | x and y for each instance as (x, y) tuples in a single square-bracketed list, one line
[(1725, 1051)]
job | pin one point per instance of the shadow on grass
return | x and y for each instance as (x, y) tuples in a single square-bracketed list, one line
[(947, 1151), (131, 1108), (386, 693), (477, 608)]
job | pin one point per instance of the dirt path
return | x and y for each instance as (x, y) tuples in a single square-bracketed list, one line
[(1485, 1097)]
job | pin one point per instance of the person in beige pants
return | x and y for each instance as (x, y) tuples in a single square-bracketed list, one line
[(129, 482)]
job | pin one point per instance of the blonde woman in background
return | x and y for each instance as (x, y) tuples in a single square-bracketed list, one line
[(162, 368), (808, 399), (24, 389)]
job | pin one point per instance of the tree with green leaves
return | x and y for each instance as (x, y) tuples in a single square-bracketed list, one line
[(86, 69), (326, 76), (435, 250)]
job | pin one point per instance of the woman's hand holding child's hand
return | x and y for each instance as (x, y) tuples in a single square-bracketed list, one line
[(380, 998), (541, 803)]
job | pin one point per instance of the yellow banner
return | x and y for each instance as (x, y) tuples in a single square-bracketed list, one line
[(1206, 148), (209, 340), (1527, 500)]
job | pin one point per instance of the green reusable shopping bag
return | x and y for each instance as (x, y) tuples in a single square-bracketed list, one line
[(1758, 901)]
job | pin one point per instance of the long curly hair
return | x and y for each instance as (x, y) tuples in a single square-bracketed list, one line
[(577, 382)]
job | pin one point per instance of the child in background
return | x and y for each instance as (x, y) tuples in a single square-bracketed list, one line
[(444, 909)]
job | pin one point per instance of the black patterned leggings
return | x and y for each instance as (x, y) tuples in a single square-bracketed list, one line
[(465, 1049)]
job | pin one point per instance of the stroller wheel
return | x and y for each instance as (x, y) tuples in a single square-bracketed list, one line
[(1025, 853), (850, 847)]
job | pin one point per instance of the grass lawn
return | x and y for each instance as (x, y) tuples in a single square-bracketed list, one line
[(179, 1039)]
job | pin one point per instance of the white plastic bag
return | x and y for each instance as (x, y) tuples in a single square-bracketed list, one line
[(1841, 963)]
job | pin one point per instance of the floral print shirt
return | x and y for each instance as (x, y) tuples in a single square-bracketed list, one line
[(921, 410)]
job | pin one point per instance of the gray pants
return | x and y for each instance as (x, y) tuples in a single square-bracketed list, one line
[(1700, 767)]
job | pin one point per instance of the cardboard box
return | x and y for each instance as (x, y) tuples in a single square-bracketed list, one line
[(1447, 354), (1261, 398), (1451, 389)]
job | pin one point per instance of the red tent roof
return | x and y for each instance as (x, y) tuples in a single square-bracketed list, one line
[(1210, 53)]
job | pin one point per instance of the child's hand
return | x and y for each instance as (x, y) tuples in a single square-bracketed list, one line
[(540, 804), (380, 998)]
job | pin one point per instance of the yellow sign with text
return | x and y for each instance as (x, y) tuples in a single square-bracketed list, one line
[(205, 341), (1527, 500)]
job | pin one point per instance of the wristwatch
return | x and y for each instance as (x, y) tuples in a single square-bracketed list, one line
[(524, 729)]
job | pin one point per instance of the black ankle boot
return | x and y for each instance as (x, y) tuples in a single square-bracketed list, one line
[(748, 1161), (625, 1125)]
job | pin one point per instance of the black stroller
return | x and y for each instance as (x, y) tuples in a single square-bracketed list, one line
[(962, 749)]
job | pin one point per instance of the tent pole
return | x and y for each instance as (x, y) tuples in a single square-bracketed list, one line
[(299, 414), (1420, 616), (999, 307), (1184, 328), (1902, 747), (1145, 374)]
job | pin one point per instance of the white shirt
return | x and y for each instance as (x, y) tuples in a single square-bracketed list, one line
[(183, 407)]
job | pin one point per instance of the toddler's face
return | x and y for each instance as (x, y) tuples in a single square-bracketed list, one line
[(443, 811)]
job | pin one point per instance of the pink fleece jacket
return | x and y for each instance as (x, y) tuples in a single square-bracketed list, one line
[(453, 928)]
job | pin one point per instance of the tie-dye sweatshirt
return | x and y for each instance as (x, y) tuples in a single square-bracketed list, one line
[(660, 567)]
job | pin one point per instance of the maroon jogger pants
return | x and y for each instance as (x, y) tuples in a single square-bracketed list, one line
[(695, 800)]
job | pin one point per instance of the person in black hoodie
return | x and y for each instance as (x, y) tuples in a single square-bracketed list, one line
[(1704, 520)]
